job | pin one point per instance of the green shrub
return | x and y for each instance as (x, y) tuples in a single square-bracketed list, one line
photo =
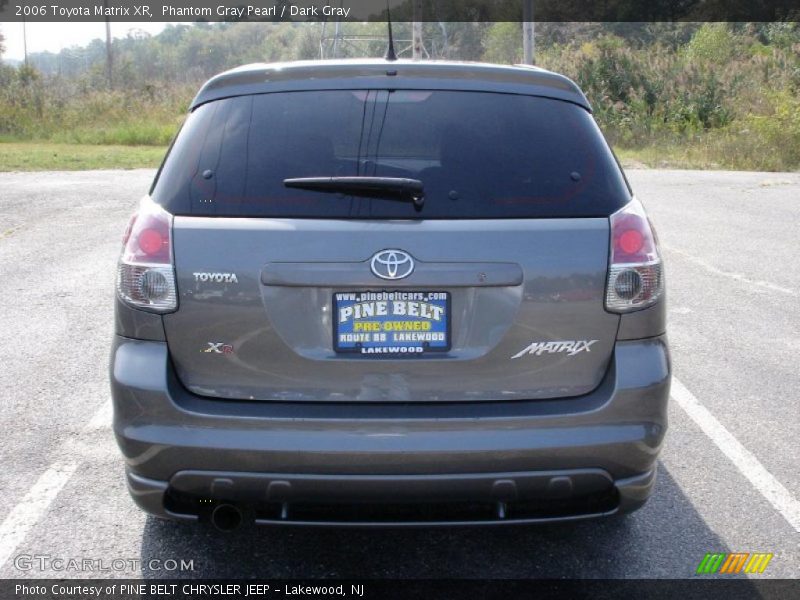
[(713, 43), (728, 99), (770, 141), (72, 112)]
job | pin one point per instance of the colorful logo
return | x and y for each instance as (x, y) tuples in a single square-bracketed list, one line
[(737, 562)]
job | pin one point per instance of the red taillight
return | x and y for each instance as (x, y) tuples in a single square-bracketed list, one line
[(151, 241), (145, 275), (635, 272), (630, 241), (149, 236), (632, 238)]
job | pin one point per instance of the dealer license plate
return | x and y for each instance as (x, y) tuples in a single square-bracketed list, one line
[(391, 324)]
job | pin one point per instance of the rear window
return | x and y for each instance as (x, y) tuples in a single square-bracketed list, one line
[(479, 155)]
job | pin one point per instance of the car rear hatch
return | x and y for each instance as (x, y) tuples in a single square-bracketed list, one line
[(494, 289)]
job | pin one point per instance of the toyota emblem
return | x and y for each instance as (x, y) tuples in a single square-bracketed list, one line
[(392, 264)]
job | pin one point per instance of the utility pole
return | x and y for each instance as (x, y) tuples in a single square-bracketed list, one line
[(337, 39), (416, 31), (528, 43), (445, 48), (416, 40), (25, 41), (109, 68)]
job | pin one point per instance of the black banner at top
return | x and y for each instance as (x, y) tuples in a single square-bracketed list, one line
[(401, 10)]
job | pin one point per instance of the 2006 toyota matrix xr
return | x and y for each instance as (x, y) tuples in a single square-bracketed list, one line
[(389, 293)]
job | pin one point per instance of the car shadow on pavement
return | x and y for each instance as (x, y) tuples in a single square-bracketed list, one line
[(666, 538)]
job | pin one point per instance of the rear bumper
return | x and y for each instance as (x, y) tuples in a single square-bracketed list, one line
[(480, 462), (319, 500)]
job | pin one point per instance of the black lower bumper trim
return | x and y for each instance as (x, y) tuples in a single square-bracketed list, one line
[(362, 501)]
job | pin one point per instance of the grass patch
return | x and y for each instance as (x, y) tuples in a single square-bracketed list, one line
[(722, 149), (667, 157), (45, 156), (125, 134)]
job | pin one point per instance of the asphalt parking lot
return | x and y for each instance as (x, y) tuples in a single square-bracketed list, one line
[(729, 478)]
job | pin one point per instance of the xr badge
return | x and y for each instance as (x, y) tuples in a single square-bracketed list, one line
[(219, 348)]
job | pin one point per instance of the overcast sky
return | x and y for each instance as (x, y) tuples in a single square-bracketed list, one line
[(55, 36)]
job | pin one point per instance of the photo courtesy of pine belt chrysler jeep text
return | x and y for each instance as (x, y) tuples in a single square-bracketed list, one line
[(389, 293)]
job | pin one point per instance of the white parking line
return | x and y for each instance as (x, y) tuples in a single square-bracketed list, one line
[(31, 508), (24, 516), (767, 285), (744, 460), (102, 418)]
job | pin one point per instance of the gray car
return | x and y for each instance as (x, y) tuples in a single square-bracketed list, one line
[(389, 293)]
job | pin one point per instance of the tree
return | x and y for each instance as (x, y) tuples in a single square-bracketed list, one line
[(2, 44), (503, 43)]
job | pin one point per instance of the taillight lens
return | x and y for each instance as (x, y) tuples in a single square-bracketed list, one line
[(145, 273), (635, 275)]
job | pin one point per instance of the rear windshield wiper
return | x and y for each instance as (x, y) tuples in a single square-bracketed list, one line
[(389, 188)]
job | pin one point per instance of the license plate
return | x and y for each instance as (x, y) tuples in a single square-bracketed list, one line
[(391, 324)]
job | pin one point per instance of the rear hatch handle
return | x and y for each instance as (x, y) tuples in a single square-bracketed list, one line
[(426, 274)]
